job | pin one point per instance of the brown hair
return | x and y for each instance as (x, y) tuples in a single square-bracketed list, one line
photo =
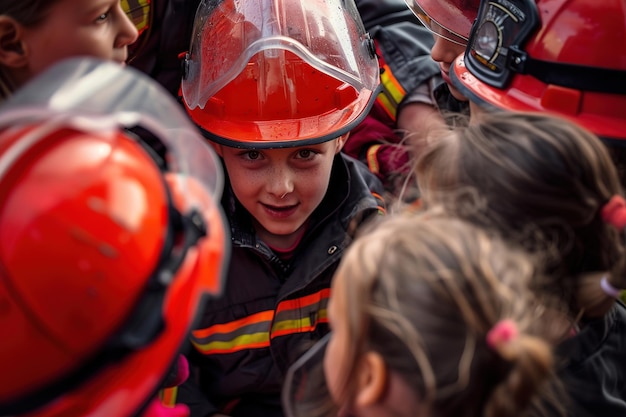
[(26, 12), (424, 294), (539, 181)]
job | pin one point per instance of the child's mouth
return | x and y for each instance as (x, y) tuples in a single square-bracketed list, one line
[(280, 211)]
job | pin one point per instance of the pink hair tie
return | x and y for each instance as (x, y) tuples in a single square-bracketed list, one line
[(614, 212), (502, 333), (609, 289)]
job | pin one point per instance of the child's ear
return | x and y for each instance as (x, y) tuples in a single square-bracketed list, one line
[(372, 380), (341, 140), (12, 52)]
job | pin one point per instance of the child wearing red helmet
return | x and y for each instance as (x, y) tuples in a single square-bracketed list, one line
[(450, 22), (110, 245), (403, 112), (514, 63), (275, 87)]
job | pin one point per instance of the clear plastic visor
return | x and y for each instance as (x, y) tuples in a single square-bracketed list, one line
[(435, 27), (328, 35), (305, 392), (103, 97)]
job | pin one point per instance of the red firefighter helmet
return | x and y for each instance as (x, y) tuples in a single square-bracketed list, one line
[(556, 56), (108, 246), (450, 19), (267, 73)]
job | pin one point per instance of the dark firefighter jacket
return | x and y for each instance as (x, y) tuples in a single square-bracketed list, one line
[(271, 310)]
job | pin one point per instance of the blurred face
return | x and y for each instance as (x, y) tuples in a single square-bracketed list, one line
[(336, 357), (448, 44), (98, 28), (378, 391), (280, 188)]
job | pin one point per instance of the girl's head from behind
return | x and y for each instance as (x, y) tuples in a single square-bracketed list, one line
[(431, 317), (35, 34), (541, 182)]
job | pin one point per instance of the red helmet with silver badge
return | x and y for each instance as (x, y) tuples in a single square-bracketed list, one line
[(450, 19), (556, 56)]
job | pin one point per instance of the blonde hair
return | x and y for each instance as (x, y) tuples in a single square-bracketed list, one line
[(541, 182), (424, 293)]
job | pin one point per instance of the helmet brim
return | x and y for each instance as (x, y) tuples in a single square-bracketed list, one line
[(545, 98)]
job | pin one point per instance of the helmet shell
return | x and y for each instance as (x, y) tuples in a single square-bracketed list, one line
[(279, 73), (572, 39), (91, 252), (456, 16)]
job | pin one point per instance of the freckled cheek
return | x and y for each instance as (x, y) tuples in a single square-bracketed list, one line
[(315, 184), (248, 181), (254, 178)]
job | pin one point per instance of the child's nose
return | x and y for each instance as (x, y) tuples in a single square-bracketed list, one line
[(281, 185), (444, 51), (127, 33)]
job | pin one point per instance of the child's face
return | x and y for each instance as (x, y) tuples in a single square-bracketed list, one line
[(98, 28), (359, 379), (336, 359), (280, 187), (445, 52)]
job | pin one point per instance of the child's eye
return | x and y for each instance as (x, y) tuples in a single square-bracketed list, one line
[(306, 154), (103, 16), (252, 155)]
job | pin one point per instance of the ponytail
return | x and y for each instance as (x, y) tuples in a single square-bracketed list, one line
[(531, 361), (597, 292)]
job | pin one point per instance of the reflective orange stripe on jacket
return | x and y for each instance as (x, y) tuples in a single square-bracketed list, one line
[(301, 314), (392, 92), (255, 331)]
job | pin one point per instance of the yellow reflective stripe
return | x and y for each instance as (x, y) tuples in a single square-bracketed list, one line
[(302, 325), (392, 85), (168, 396), (389, 107), (372, 158), (392, 93), (297, 315), (246, 341)]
